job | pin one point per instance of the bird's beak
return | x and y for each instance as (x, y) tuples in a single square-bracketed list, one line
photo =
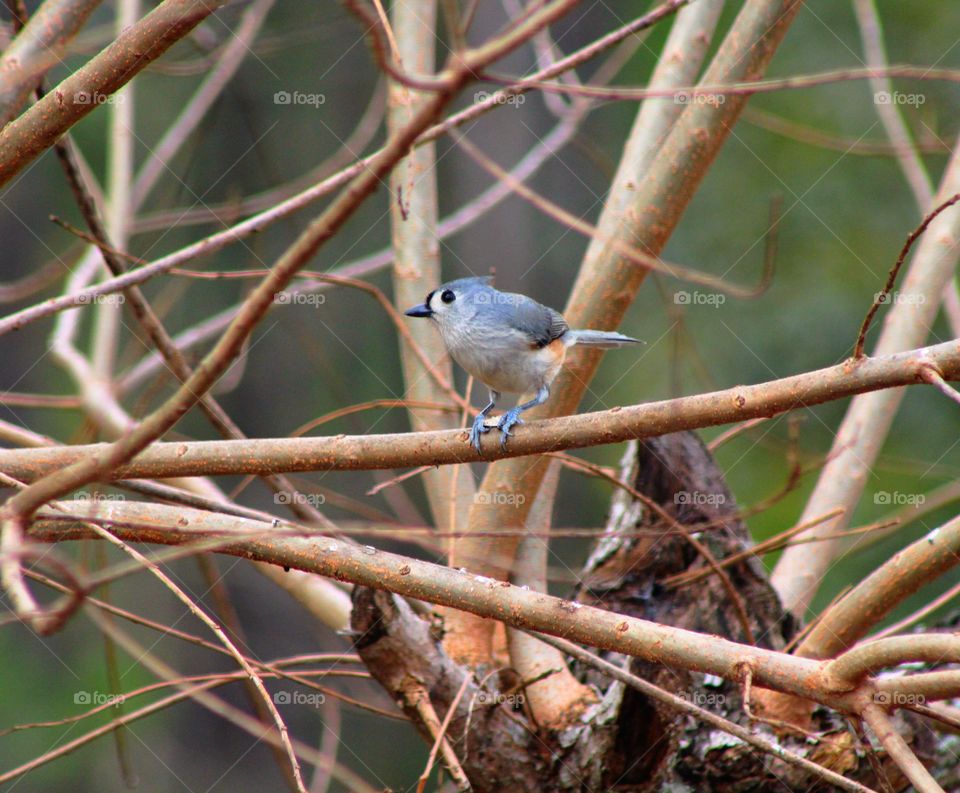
[(423, 310)]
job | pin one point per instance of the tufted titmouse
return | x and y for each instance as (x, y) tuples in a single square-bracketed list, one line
[(507, 341)]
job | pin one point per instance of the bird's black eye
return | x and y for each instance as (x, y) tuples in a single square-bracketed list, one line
[(447, 296)]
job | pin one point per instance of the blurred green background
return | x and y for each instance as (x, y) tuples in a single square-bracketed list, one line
[(845, 218)]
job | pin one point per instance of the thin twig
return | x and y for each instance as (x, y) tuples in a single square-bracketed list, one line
[(929, 374), (848, 145), (713, 91), (241, 659), (919, 614), (440, 740), (883, 295), (628, 251)]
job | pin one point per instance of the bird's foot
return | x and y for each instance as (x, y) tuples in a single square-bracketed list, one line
[(477, 430), (507, 421)]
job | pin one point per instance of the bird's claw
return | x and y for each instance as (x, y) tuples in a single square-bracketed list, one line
[(507, 421), (476, 431)]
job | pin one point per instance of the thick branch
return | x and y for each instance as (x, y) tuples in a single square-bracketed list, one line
[(40, 126), (372, 452), (499, 600), (38, 48), (883, 590)]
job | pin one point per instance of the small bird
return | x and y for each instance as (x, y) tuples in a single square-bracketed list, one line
[(507, 341)]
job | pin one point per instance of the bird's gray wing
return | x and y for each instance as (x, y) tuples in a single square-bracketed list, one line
[(540, 323)]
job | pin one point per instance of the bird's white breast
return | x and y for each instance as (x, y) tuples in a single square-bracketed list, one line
[(504, 360)]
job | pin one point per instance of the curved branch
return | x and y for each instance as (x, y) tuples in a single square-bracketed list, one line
[(883, 590), (883, 296), (846, 672)]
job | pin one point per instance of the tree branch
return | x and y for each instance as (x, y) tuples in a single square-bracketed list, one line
[(22, 140), (898, 750), (37, 48), (878, 594), (375, 452)]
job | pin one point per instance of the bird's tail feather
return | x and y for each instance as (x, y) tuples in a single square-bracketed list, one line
[(605, 339)]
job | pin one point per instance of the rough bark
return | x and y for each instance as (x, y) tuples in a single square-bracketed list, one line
[(627, 742), (625, 574)]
